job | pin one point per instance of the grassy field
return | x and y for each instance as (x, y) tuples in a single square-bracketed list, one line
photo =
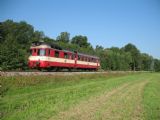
[(81, 97)]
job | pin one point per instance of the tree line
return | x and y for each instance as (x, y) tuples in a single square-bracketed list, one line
[(17, 37)]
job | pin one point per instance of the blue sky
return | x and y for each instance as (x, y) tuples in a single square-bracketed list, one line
[(105, 22)]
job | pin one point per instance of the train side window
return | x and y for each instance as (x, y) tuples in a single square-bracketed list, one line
[(86, 59), (92, 59), (65, 55), (82, 58), (56, 54), (95, 61), (78, 57), (72, 57), (89, 59)]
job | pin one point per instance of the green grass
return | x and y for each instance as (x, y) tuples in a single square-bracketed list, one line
[(43, 97), (151, 98)]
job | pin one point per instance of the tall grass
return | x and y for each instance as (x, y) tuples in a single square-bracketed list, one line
[(15, 82)]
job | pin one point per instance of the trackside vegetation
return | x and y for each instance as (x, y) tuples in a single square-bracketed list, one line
[(87, 96), (16, 39)]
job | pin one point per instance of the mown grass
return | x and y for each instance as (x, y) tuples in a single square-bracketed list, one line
[(151, 98), (42, 97)]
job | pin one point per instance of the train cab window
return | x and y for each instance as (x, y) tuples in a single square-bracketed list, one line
[(34, 50), (41, 52), (56, 54), (66, 56)]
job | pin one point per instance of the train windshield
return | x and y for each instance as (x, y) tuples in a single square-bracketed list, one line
[(41, 52)]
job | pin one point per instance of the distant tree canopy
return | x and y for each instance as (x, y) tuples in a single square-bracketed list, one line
[(135, 55), (16, 38), (63, 37), (81, 41)]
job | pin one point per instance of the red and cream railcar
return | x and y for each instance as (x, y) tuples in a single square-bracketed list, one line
[(48, 56)]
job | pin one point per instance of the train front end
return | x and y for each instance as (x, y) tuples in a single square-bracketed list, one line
[(38, 58)]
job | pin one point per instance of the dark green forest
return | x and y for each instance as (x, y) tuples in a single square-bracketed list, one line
[(16, 38)]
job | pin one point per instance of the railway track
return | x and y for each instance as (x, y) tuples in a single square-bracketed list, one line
[(43, 73), (59, 73)]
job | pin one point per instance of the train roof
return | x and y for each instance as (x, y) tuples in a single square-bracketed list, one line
[(55, 46), (81, 54), (86, 55), (52, 45)]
